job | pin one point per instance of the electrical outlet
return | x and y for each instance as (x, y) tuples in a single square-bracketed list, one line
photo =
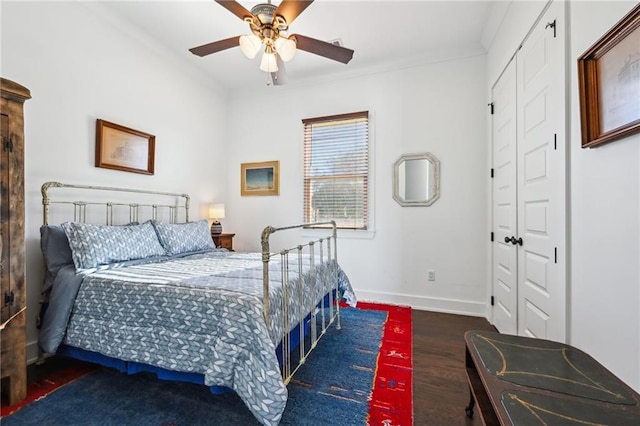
[(432, 275)]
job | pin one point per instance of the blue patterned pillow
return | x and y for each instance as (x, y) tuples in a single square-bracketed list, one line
[(179, 238), (94, 245)]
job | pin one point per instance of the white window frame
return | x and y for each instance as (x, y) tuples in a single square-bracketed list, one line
[(370, 231)]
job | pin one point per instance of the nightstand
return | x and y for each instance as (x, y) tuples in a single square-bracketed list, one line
[(223, 241)]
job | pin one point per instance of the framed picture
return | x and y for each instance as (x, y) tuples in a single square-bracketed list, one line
[(122, 148), (260, 178), (609, 80)]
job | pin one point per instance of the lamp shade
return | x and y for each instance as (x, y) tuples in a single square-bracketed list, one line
[(269, 63), (216, 211), (286, 48), (250, 45)]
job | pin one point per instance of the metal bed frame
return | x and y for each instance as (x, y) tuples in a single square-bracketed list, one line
[(314, 320), (329, 302)]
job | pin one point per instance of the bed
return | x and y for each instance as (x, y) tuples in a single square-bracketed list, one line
[(156, 295)]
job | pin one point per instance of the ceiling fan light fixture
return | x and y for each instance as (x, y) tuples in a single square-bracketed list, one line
[(269, 63), (250, 45), (269, 25), (286, 48)]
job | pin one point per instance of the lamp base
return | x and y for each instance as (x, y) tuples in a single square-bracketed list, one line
[(216, 228)]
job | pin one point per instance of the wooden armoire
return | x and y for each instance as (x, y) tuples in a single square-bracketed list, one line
[(13, 348)]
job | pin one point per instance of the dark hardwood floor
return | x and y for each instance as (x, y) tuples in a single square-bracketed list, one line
[(440, 391)]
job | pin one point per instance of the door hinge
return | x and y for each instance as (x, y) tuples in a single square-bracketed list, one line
[(491, 106), (551, 25), (555, 141), (492, 236), (492, 302), (9, 298), (491, 173), (555, 255)]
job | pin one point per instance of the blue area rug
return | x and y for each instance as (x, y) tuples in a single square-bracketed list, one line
[(333, 387)]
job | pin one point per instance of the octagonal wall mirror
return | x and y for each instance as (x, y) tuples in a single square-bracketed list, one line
[(416, 180)]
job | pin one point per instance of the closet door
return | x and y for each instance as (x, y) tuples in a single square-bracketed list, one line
[(504, 203), (528, 189), (541, 179)]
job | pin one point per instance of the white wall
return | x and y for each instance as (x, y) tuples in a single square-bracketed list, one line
[(81, 64), (604, 291), (436, 107)]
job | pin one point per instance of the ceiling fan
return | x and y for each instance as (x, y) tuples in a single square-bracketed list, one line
[(269, 25)]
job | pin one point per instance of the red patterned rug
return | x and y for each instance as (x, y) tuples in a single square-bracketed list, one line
[(392, 396)]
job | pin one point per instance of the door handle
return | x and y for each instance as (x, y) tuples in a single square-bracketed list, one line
[(513, 240)]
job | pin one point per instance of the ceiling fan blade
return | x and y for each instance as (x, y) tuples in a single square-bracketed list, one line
[(322, 48), (216, 46), (279, 77), (290, 9), (237, 9)]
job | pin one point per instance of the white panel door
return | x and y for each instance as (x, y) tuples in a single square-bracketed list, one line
[(541, 179), (504, 203)]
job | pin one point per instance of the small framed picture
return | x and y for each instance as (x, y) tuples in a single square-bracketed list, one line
[(260, 178), (125, 149)]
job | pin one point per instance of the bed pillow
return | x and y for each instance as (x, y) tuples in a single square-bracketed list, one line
[(56, 251), (179, 238), (94, 245)]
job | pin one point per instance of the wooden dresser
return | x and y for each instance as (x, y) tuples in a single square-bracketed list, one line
[(13, 356)]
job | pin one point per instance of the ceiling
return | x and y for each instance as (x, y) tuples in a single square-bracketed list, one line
[(384, 35)]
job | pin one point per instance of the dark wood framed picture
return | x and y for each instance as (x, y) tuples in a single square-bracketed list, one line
[(125, 149), (609, 84), (260, 178)]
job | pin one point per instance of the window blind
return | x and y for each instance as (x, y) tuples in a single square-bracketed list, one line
[(336, 169)]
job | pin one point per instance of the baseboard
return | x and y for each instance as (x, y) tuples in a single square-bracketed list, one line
[(33, 352), (449, 306)]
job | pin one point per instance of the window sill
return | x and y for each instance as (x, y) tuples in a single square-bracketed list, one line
[(342, 233)]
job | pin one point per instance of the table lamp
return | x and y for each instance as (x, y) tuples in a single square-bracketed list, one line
[(216, 212)]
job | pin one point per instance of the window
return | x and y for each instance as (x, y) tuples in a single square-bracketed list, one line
[(336, 169)]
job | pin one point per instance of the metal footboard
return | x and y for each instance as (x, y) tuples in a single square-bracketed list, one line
[(322, 314)]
